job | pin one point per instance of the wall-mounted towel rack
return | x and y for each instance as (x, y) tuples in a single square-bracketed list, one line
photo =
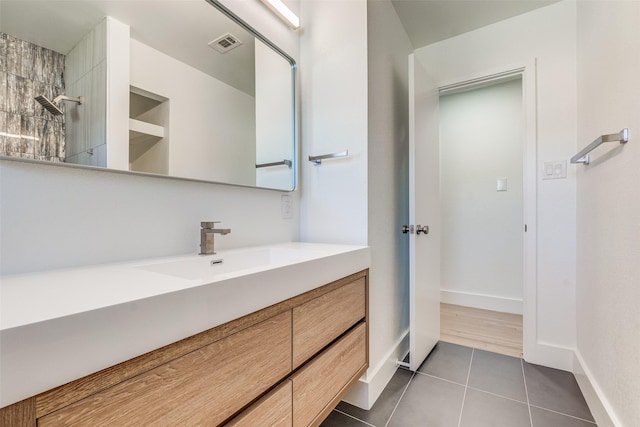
[(267, 165), (317, 160), (583, 155)]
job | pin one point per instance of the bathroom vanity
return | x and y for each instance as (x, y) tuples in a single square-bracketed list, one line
[(286, 336)]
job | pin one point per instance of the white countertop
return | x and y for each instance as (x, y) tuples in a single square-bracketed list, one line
[(60, 325)]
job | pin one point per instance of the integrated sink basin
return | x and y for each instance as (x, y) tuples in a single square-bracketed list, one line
[(226, 264), (61, 325)]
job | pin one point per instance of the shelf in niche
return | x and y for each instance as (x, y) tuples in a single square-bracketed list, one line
[(140, 131)]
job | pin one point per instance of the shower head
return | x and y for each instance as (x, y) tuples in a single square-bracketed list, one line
[(51, 106)]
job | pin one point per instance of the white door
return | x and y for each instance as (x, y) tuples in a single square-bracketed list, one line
[(424, 211)]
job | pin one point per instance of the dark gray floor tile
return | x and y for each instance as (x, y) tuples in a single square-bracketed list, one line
[(556, 390), (382, 409), (497, 373), (429, 401), (336, 419), (544, 418), (486, 410), (448, 361)]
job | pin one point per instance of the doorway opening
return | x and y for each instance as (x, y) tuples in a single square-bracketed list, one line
[(482, 199)]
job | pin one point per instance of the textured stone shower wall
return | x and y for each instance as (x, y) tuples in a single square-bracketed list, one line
[(26, 129)]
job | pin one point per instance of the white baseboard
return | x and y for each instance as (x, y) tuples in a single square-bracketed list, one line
[(598, 403), (486, 302), (367, 390)]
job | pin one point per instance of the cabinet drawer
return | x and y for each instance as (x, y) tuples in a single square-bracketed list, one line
[(323, 319), (273, 410), (318, 383), (204, 387)]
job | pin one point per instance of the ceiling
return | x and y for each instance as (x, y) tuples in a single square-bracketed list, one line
[(430, 21)]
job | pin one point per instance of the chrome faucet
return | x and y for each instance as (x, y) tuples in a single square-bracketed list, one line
[(206, 236)]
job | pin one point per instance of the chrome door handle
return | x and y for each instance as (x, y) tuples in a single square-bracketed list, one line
[(422, 229), (407, 229)]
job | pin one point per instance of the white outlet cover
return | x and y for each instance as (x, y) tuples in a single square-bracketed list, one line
[(286, 208)]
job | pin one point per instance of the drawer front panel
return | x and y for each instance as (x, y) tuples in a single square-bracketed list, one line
[(204, 387), (323, 319), (273, 410), (318, 382)]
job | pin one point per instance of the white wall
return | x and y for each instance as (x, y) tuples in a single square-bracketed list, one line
[(547, 35), (388, 51), (333, 76), (56, 217), (209, 140), (481, 140), (355, 97), (338, 198), (608, 212)]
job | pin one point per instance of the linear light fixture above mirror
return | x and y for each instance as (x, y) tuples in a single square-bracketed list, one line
[(283, 12)]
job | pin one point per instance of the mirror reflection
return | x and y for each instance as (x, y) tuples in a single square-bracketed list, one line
[(174, 88)]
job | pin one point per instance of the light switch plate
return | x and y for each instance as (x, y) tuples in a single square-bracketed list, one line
[(554, 170), (501, 184)]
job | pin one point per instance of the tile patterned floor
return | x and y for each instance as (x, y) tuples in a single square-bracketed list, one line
[(460, 386)]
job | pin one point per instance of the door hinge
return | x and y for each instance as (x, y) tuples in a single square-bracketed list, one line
[(525, 228)]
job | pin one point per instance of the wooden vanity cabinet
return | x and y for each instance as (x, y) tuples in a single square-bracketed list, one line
[(320, 321), (20, 414), (204, 387), (318, 385), (287, 365), (275, 409)]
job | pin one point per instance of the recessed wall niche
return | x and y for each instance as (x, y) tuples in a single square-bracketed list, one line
[(148, 132)]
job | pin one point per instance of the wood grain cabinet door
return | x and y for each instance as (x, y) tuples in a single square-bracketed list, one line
[(318, 384), (202, 388), (273, 410), (323, 319)]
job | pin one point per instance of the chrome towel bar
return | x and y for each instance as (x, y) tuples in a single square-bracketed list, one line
[(267, 165), (317, 160), (583, 155)]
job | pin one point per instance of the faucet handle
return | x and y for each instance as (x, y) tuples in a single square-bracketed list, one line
[(209, 224)]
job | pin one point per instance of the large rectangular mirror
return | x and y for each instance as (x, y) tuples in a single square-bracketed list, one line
[(180, 88)]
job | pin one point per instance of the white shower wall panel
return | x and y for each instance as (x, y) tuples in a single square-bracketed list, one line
[(86, 76)]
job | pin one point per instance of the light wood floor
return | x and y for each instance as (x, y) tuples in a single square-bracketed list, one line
[(483, 329)]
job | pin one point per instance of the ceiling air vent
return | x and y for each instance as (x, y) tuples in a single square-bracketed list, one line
[(225, 43)]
